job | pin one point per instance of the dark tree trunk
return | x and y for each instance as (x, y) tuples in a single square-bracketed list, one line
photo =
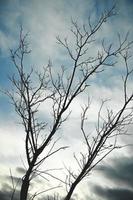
[(69, 194), (75, 183), (24, 187), (26, 182)]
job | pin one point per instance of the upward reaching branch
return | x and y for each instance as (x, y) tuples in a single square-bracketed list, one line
[(59, 93)]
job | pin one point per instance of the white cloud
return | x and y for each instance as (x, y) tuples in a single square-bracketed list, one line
[(6, 42), (12, 143)]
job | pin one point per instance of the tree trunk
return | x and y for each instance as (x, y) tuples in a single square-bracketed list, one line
[(75, 183), (26, 182), (69, 194), (24, 187)]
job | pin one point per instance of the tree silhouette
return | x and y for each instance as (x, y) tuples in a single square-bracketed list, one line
[(60, 91)]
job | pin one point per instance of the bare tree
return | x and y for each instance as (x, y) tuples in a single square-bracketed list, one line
[(60, 93)]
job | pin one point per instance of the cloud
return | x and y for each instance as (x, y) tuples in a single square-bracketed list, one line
[(6, 192), (120, 179), (5, 195), (119, 171), (9, 22), (113, 193), (45, 20), (6, 42), (20, 170)]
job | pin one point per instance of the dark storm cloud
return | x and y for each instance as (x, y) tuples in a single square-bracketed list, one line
[(6, 189), (6, 193), (114, 193), (121, 171), (20, 170)]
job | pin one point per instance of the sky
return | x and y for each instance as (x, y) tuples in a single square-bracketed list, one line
[(44, 20)]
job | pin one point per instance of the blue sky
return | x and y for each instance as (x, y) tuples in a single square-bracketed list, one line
[(44, 20)]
